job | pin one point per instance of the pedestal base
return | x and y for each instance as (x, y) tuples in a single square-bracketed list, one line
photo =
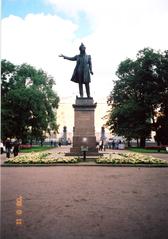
[(84, 129)]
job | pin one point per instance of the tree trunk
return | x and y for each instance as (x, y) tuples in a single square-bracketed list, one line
[(129, 144), (42, 142), (142, 142), (137, 142)]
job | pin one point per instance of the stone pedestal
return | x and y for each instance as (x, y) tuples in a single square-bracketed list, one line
[(84, 127)]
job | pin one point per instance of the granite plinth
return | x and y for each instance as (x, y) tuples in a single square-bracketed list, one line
[(84, 127)]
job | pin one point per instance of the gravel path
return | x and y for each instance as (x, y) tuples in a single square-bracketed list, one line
[(85, 203)]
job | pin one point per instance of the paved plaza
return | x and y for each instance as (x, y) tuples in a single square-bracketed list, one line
[(69, 202)]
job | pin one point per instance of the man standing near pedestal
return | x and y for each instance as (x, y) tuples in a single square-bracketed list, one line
[(82, 70)]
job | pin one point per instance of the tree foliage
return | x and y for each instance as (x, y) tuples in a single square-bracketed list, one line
[(140, 95), (28, 101)]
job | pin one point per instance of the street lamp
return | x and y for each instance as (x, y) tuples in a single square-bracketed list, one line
[(84, 148)]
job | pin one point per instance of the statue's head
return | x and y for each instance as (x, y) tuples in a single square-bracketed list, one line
[(82, 47)]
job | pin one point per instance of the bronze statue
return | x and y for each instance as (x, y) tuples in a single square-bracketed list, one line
[(82, 70)]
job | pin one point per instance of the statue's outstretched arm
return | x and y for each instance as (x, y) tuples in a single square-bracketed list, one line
[(68, 58)]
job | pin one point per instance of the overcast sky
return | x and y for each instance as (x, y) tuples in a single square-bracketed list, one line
[(36, 32)]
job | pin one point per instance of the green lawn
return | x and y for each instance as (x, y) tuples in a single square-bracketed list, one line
[(35, 149), (142, 150)]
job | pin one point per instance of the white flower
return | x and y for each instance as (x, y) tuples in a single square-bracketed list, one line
[(129, 158)]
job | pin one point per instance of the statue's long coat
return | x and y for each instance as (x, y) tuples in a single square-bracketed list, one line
[(82, 69)]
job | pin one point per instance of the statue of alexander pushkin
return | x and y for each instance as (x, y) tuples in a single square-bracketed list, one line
[(82, 71)]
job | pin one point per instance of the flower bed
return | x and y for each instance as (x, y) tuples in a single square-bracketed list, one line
[(41, 158), (129, 158), (25, 146), (161, 147), (114, 158)]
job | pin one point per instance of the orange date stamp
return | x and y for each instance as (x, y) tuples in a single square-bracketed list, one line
[(19, 210)]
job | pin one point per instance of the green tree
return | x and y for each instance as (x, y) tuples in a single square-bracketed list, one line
[(161, 125), (137, 95), (28, 102)]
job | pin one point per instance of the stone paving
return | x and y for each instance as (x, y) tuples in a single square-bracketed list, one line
[(84, 202)]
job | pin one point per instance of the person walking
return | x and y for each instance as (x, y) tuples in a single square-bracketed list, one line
[(16, 148), (113, 144), (8, 147), (101, 145), (2, 147)]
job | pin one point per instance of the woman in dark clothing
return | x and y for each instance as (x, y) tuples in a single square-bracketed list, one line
[(8, 147), (16, 148)]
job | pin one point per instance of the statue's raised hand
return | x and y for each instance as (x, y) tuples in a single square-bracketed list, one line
[(61, 55)]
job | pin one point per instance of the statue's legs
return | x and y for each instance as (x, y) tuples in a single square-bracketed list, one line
[(81, 89), (87, 89)]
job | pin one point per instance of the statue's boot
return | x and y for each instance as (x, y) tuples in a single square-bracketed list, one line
[(87, 90)]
